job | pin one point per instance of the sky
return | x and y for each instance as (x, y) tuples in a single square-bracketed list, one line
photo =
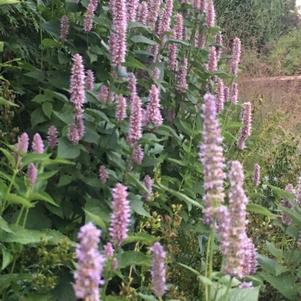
[(298, 2)]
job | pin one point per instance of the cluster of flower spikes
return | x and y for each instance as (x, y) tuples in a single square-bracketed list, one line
[(118, 35), (37, 147), (88, 20), (77, 98), (238, 250)]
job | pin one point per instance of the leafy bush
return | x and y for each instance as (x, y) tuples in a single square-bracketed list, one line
[(51, 191)]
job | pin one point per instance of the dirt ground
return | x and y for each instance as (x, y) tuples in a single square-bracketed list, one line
[(275, 95)]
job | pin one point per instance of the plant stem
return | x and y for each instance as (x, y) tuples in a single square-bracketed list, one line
[(209, 263)]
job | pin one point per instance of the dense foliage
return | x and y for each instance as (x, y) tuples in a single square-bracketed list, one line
[(256, 22), (74, 157)]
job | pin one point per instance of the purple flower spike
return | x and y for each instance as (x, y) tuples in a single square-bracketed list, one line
[(227, 93), (90, 264), (154, 9), (132, 86), (153, 113), (77, 82), (142, 14), (234, 93), (32, 174), (117, 42), (148, 183), (199, 40), (220, 96), (212, 60), (138, 155), (120, 108), (108, 250), (219, 47), (158, 271), (165, 18), (182, 84), (286, 219), (213, 161), (132, 6), (88, 20), (120, 219), (135, 125), (246, 129), (89, 80), (52, 137), (104, 94), (64, 28), (237, 233), (23, 143), (256, 175), (103, 174), (37, 144), (236, 52), (210, 14), (156, 74)]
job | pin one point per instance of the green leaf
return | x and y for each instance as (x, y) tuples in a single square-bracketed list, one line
[(7, 258), (282, 194), (16, 199), (96, 219), (34, 158), (11, 159), (246, 294), (273, 250), (203, 279), (258, 209), (134, 258), (137, 207), (147, 297), (67, 150), (25, 236), (144, 238), (47, 109), (4, 225), (42, 196), (6, 102), (4, 2), (181, 196), (142, 40)]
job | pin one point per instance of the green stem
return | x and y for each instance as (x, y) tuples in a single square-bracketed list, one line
[(209, 263), (9, 189)]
